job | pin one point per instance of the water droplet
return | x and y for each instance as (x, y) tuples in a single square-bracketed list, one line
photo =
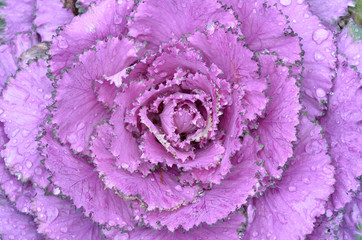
[(163, 74), (80, 126), (169, 193), (306, 180), (285, 2), (346, 115), (178, 188), (52, 213), (328, 169), (21, 226), (124, 165), (15, 132), (281, 218), (315, 132), (320, 92), (56, 191), (18, 175), (201, 193), (117, 19), (47, 96), (292, 189), (251, 213), (91, 28), (320, 35), (62, 43), (318, 56), (25, 133), (28, 164), (255, 234), (72, 138), (329, 213), (64, 229), (43, 217), (38, 171), (313, 147)]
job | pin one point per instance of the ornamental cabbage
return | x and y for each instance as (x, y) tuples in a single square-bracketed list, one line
[(153, 119)]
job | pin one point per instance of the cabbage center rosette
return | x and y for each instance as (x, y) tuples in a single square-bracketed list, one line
[(178, 126), (171, 134), (173, 128), (181, 115)]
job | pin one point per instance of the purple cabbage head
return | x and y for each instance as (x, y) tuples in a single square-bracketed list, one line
[(195, 119)]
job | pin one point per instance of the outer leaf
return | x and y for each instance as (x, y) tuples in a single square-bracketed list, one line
[(78, 110), (19, 16), (158, 21), (344, 224), (106, 92), (16, 192), (24, 229), (329, 11), (100, 21), (277, 129), (300, 196), (23, 109), (319, 54), (265, 27), (57, 219), (10, 54), (326, 226), (350, 47), (46, 23), (81, 183), (351, 227), (342, 125), (124, 145), (8, 65)]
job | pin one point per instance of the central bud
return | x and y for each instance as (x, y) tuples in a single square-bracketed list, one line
[(179, 116), (182, 116)]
